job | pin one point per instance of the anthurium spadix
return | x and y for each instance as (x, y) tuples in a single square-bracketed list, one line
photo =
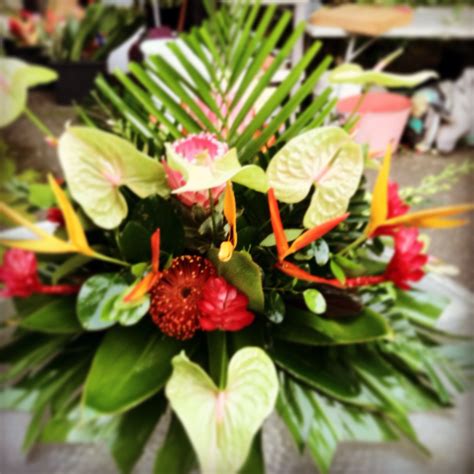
[(15, 78), (221, 423), (209, 174), (96, 164), (354, 74), (326, 158)]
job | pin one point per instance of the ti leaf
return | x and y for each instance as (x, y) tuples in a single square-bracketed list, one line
[(131, 365)]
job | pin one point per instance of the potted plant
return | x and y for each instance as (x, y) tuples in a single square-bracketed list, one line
[(79, 45)]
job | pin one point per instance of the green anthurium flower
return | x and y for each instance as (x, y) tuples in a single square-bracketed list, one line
[(15, 78), (205, 166), (222, 423), (96, 164), (354, 74), (327, 158)]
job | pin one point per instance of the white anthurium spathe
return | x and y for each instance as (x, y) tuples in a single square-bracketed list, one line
[(326, 158), (354, 74), (16, 77), (96, 164), (221, 423), (213, 173)]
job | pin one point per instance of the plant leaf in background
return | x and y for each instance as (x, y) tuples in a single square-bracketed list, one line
[(97, 163), (15, 78), (221, 424), (325, 157), (354, 74), (212, 78)]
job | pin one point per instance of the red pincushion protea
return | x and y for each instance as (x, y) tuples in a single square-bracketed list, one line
[(395, 207), (223, 307), (174, 299), (19, 274), (407, 261)]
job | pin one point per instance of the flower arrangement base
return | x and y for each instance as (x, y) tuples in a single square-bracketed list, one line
[(75, 79), (383, 117)]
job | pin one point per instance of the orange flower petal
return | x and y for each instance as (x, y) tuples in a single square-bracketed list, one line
[(315, 233), (379, 205), (142, 287), (277, 226), (429, 217), (230, 212), (155, 251), (296, 272)]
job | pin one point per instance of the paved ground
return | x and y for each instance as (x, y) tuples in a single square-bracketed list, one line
[(455, 246)]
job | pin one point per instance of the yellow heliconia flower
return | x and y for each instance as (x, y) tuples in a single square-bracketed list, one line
[(48, 243), (230, 212), (429, 218)]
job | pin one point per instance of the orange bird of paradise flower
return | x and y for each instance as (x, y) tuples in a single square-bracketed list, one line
[(435, 218)]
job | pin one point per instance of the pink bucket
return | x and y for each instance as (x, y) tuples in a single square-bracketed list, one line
[(383, 117)]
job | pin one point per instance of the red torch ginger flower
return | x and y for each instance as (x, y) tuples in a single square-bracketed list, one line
[(55, 215), (174, 299), (200, 149), (19, 275), (223, 307), (395, 207), (408, 260)]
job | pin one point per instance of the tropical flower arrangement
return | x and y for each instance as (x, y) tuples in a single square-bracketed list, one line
[(214, 249)]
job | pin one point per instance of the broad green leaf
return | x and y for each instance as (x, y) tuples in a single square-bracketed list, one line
[(96, 164), (315, 301), (127, 314), (15, 78), (290, 234), (94, 299), (131, 365), (304, 327), (325, 157), (176, 455), (134, 430), (242, 272), (225, 168), (275, 308), (221, 424), (56, 317), (354, 74)]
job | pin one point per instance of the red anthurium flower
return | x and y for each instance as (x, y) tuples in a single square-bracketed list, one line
[(19, 275), (175, 297), (395, 207), (408, 260), (223, 307)]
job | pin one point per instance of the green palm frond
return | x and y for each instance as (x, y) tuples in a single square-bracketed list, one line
[(212, 78)]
